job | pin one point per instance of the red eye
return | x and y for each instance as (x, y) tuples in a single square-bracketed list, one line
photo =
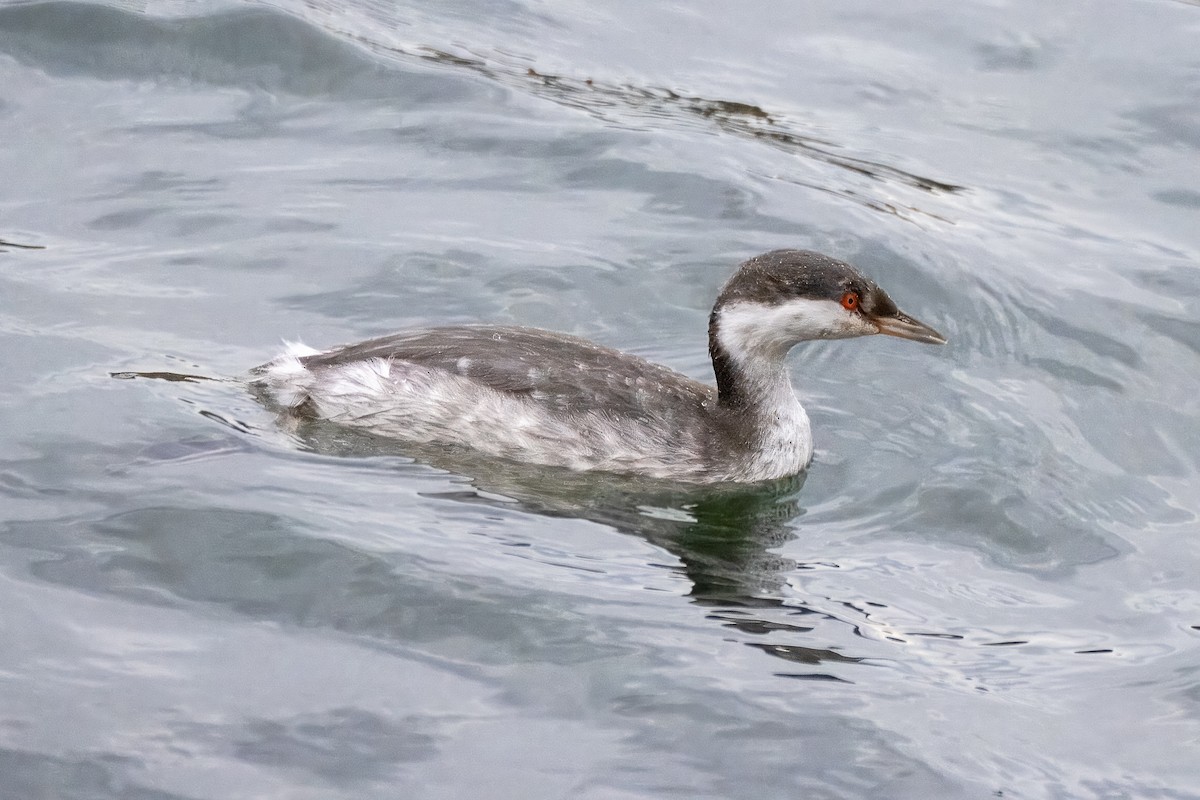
[(850, 301)]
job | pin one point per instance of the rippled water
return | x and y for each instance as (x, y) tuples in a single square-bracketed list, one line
[(986, 586)]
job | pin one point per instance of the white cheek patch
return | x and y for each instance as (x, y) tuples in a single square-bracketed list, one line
[(755, 327)]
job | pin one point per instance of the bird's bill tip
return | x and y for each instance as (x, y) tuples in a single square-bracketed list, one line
[(905, 327)]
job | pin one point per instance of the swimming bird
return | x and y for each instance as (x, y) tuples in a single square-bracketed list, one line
[(548, 398)]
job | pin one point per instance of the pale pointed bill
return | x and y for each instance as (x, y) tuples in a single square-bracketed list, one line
[(905, 327)]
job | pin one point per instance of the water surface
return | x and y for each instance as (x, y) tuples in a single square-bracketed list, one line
[(985, 586)]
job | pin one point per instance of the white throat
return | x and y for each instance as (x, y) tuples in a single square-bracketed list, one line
[(756, 339)]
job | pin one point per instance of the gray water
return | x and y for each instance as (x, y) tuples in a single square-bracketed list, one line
[(986, 586)]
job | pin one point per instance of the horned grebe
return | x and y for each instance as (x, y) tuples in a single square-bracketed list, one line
[(549, 398)]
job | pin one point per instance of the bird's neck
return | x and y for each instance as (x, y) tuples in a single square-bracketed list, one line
[(754, 392), (748, 355)]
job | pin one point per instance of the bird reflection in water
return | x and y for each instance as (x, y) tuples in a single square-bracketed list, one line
[(726, 537)]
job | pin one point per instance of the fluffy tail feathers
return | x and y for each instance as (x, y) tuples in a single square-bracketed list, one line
[(286, 377)]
